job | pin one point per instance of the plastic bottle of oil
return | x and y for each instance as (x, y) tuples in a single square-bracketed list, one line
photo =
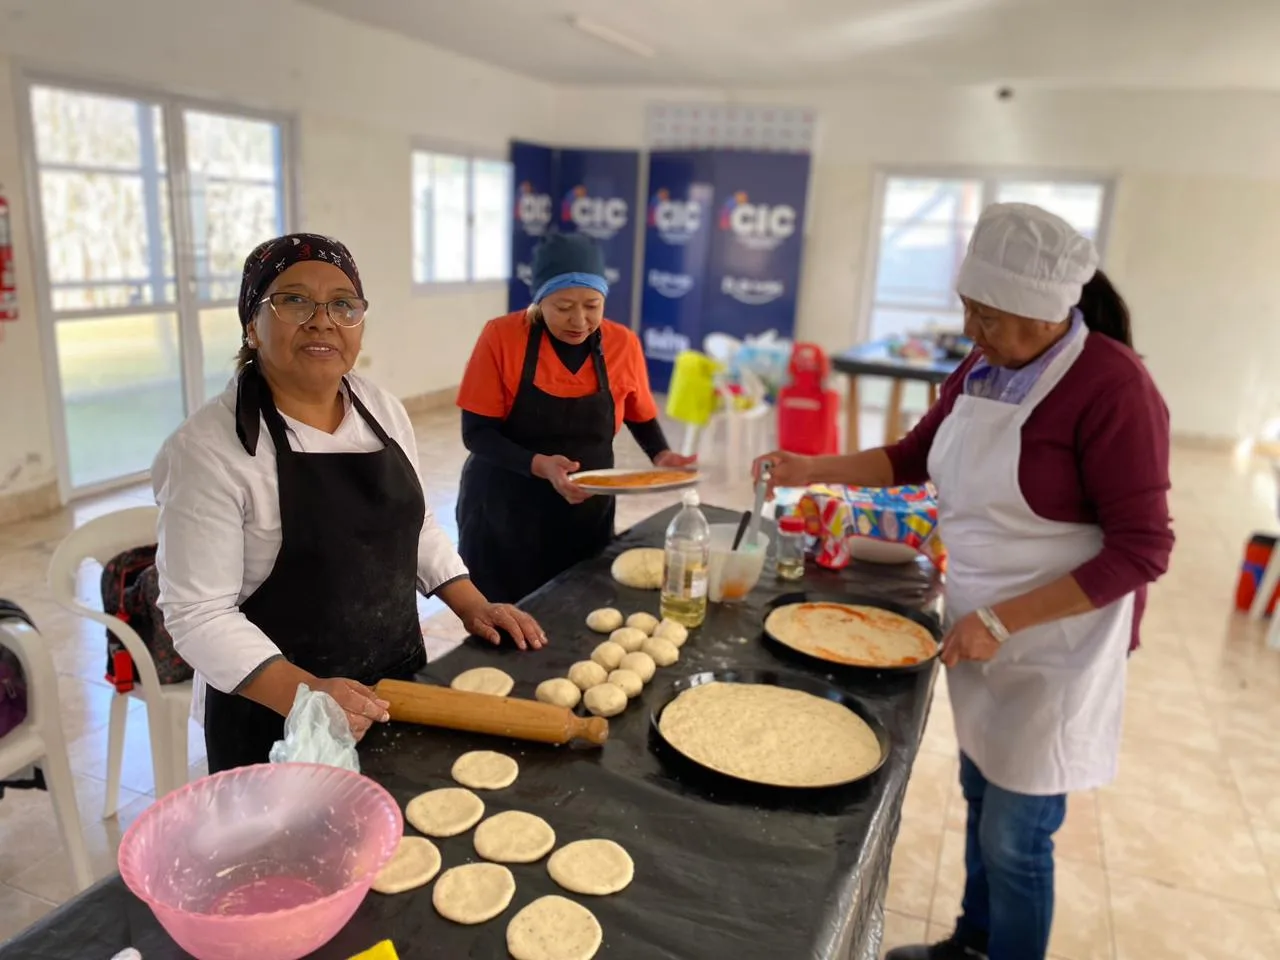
[(684, 574)]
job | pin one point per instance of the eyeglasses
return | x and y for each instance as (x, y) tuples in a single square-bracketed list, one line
[(297, 309)]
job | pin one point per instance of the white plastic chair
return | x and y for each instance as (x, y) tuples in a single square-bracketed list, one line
[(39, 739), (168, 705), (746, 431)]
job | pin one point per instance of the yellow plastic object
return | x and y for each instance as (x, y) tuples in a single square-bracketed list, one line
[(382, 951), (691, 397)]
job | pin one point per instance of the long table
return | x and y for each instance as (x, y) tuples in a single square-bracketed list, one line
[(717, 875)]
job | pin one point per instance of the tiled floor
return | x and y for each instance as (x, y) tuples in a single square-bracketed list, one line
[(1179, 859)]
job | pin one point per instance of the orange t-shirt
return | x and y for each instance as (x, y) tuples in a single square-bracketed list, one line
[(493, 373)]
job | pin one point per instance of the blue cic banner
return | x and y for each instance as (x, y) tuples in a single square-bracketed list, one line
[(533, 177), (756, 246), (596, 191), (677, 241)]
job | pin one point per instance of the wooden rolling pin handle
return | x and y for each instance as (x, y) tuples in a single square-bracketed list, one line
[(450, 709)]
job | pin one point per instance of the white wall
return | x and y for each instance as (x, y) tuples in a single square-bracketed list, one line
[(360, 97), (1195, 241)]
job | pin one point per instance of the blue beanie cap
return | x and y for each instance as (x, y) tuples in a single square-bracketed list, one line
[(566, 260)]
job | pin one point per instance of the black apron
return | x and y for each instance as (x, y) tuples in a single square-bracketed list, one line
[(341, 598), (516, 532)]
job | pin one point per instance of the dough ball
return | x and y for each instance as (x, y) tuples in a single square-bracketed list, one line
[(592, 867), (645, 622), (414, 864), (559, 692), (639, 569), (514, 837), (485, 770), (662, 650), (473, 892), (605, 620), (444, 813), (554, 928), (641, 664), (629, 681), (586, 674), (608, 655), (605, 700), (677, 633), (484, 680), (629, 638)]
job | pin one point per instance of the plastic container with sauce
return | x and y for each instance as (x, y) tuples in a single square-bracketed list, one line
[(791, 547)]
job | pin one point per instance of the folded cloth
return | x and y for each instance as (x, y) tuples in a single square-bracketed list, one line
[(836, 516)]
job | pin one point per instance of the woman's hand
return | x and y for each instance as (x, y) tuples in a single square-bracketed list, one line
[(556, 471), (358, 702), (673, 460), (969, 639), (486, 620), (788, 470)]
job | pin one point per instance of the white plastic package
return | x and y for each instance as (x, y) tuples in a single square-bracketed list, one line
[(316, 731)]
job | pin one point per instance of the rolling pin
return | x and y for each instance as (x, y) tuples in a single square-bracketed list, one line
[(451, 709)]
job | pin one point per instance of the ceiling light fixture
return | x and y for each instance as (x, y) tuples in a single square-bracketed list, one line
[(607, 34)]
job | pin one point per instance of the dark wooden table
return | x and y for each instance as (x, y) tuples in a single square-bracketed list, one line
[(874, 360)]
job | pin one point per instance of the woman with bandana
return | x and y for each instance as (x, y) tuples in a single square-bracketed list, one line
[(293, 532)]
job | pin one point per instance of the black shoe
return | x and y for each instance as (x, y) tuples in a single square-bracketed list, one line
[(953, 948)]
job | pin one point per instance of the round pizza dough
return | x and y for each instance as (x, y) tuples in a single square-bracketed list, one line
[(628, 681), (771, 735), (559, 692), (677, 633), (604, 620), (554, 928), (608, 655), (485, 770), (414, 864), (639, 569), (662, 650), (645, 622), (586, 674), (641, 664), (592, 867), (444, 813), (514, 837), (605, 700), (484, 680), (629, 638), (852, 634), (473, 892)]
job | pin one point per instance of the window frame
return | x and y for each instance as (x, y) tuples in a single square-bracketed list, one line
[(990, 179), (470, 155)]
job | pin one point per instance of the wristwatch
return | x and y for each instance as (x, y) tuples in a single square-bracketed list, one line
[(995, 626)]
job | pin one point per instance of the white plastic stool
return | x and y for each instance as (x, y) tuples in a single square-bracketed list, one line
[(39, 739), (168, 705)]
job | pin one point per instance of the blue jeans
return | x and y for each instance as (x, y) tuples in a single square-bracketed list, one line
[(1008, 858)]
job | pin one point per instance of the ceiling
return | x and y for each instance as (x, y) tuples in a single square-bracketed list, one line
[(1161, 44)]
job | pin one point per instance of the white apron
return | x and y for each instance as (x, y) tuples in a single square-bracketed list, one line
[(1043, 716)]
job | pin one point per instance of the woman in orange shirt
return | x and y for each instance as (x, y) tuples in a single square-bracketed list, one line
[(544, 394)]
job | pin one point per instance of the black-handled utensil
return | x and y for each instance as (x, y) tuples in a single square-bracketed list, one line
[(742, 528)]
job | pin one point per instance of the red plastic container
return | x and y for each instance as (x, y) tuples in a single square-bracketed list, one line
[(808, 413), (1257, 554)]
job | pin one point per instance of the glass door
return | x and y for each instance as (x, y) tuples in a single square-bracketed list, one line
[(141, 264)]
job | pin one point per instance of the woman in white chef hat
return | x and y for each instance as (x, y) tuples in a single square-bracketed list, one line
[(1049, 447)]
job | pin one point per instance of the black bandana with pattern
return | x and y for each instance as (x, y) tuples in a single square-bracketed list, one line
[(272, 258)]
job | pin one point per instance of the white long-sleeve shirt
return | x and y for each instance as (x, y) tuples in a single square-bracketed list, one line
[(219, 529)]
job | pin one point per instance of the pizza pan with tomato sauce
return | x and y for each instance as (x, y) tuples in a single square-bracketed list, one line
[(612, 483), (853, 632)]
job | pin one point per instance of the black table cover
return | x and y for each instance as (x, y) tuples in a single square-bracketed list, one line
[(717, 875)]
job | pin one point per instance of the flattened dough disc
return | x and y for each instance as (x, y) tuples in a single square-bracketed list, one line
[(484, 680), (415, 864), (485, 770), (514, 837), (554, 928), (473, 892), (592, 867), (444, 813)]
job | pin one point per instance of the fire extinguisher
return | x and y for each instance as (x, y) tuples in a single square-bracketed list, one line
[(8, 272)]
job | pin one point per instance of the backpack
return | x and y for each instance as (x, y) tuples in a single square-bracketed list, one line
[(13, 682), (130, 592)]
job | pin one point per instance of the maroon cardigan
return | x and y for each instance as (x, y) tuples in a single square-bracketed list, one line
[(1095, 450)]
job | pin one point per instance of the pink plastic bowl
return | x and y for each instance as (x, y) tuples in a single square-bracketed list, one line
[(261, 863)]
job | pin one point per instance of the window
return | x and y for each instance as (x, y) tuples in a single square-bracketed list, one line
[(924, 231), (461, 221)]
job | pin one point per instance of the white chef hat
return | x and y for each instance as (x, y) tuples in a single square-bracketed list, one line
[(1026, 261)]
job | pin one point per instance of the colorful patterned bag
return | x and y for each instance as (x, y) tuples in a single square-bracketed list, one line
[(837, 516), (131, 592)]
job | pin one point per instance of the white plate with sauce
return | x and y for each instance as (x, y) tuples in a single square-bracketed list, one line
[(678, 480)]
